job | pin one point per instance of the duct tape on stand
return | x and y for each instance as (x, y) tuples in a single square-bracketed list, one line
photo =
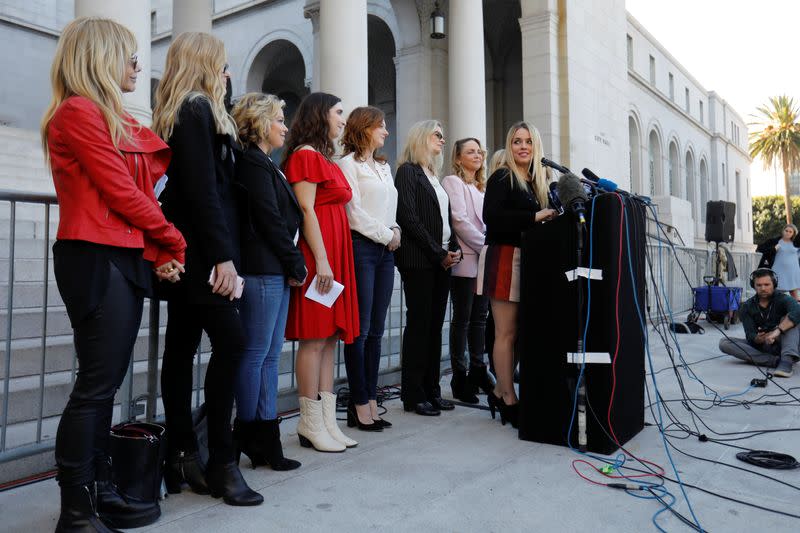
[(584, 272), (589, 358)]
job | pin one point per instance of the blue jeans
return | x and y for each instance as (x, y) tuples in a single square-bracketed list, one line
[(264, 307), (374, 282)]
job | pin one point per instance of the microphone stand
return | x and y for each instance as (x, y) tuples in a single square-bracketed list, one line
[(581, 398)]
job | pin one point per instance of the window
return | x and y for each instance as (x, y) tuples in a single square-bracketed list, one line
[(723, 175), (686, 97), (701, 112), (652, 70), (671, 87), (153, 23), (739, 201), (630, 52)]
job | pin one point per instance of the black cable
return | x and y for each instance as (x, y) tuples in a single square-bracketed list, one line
[(768, 459)]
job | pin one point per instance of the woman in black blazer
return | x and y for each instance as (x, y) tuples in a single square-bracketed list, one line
[(271, 263), (516, 199), (200, 200), (427, 250)]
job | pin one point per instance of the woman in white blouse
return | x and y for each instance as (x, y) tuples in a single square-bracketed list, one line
[(376, 235), (465, 190)]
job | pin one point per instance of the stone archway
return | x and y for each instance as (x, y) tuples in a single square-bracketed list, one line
[(382, 90)]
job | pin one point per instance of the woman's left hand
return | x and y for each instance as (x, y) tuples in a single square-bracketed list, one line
[(170, 271)]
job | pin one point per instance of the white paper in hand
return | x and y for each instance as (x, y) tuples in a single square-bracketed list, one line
[(325, 299)]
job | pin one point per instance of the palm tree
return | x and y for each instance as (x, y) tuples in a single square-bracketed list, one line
[(778, 140)]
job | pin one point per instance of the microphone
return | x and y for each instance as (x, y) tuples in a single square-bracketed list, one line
[(546, 162), (555, 201), (572, 195), (601, 183)]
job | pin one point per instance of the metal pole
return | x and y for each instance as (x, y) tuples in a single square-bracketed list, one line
[(9, 311), (44, 319), (152, 362)]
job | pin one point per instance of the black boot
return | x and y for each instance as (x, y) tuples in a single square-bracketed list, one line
[(78, 512), (481, 378), (185, 467), (270, 434), (245, 440), (461, 389), (226, 481), (118, 509)]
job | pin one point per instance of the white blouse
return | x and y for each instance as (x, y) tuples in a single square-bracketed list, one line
[(372, 211), (444, 205)]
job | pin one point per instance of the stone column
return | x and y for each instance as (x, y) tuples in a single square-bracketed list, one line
[(191, 15), (343, 51), (467, 88), (136, 17), (540, 73)]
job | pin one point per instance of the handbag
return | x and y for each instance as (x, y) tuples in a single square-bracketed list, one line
[(137, 452)]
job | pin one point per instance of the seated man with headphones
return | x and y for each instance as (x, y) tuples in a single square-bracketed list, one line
[(769, 319)]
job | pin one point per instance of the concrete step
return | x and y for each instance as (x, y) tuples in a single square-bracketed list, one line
[(27, 323), (26, 248), (27, 229), (29, 294), (28, 211), (27, 269)]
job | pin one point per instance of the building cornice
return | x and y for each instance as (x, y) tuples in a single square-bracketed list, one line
[(222, 15), (19, 23)]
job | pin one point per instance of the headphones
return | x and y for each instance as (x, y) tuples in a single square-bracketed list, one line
[(760, 273)]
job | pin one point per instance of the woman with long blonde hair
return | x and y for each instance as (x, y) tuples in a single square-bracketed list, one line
[(428, 249), (110, 230), (516, 199), (199, 198), (465, 188)]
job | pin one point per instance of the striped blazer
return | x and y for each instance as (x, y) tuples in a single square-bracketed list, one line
[(420, 221)]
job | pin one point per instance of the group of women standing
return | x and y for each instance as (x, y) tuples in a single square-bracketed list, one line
[(239, 243)]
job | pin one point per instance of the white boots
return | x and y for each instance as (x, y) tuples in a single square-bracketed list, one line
[(311, 429), (329, 417)]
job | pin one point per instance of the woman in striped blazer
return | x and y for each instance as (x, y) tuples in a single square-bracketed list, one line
[(427, 250)]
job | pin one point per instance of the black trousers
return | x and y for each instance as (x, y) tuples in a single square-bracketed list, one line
[(185, 327), (104, 341), (467, 325), (426, 302)]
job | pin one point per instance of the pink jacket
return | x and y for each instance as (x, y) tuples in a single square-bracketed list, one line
[(466, 204)]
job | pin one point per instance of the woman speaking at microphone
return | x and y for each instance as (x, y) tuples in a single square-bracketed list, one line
[(514, 200)]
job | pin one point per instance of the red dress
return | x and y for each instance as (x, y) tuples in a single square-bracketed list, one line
[(307, 318)]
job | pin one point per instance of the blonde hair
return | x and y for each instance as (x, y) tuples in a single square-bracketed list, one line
[(254, 113), (90, 61), (794, 229), (536, 173), (480, 174), (416, 149), (193, 70), (498, 160)]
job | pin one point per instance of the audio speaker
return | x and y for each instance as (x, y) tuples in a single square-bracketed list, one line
[(549, 309), (720, 221)]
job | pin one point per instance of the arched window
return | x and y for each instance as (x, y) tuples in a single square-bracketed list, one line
[(691, 194), (635, 156), (703, 190), (674, 171), (654, 164)]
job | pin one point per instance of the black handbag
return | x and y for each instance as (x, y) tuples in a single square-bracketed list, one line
[(137, 453)]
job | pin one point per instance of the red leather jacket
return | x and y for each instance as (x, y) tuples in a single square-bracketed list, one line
[(105, 196)]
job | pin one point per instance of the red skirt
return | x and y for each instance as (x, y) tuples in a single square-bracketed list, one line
[(498, 272)]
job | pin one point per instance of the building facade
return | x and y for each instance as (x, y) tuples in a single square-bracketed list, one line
[(601, 90)]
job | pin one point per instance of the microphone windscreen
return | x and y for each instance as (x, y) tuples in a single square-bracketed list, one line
[(607, 185), (570, 189)]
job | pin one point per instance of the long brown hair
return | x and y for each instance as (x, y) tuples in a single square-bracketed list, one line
[(357, 136), (310, 125), (480, 174)]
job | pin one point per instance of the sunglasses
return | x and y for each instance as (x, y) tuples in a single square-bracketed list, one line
[(225, 69), (439, 135), (134, 60)]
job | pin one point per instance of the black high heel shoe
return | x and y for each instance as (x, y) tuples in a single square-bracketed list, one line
[(509, 413), (353, 421), (185, 468)]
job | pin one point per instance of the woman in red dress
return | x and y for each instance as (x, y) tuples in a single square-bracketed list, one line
[(322, 191)]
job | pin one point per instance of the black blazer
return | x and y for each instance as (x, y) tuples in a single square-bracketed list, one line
[(420, 218), (200, 197), (270, 217), (507, 211), (767, 249)]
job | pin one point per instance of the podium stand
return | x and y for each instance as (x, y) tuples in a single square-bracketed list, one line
[(549, 327)]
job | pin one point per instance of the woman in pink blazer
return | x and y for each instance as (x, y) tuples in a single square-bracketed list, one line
[(468, 324)]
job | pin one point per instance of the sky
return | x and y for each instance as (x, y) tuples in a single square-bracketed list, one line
[(744, 50)]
